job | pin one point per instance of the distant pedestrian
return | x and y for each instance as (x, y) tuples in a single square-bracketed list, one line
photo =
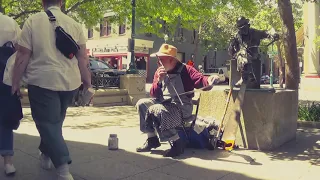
[(53, 74), (10, 105)]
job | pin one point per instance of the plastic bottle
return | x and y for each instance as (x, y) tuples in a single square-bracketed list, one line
[(113, 142)]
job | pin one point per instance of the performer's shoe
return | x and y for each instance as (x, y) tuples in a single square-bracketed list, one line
[(177, 149), (151, 143)]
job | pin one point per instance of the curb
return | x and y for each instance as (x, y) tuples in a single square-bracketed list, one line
[(309, 124)]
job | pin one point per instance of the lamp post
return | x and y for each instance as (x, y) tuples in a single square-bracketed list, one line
[(132, 67), (166, 37), (271, 68)]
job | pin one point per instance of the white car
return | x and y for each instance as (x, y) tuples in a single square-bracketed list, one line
[(222, 72)]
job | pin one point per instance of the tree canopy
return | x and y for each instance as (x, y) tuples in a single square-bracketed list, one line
[(88, 12)]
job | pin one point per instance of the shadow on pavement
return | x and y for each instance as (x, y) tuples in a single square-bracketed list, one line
[(96, 162), (86, 118), (306, 147)]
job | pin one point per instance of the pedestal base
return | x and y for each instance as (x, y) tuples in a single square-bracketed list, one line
[(268, 119), (135, 84)]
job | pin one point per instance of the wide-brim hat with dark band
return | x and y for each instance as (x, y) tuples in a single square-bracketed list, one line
[(166, 50)]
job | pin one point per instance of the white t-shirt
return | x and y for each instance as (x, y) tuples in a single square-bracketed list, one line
[(9, 31), (48, 68), (7, 76)]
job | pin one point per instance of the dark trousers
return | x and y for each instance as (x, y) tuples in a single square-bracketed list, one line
[(48, 110)]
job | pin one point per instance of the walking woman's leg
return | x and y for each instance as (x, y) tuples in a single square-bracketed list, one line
[(6, 149)]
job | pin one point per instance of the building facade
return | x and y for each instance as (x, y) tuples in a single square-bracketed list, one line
[(310, 79), (111, 42)]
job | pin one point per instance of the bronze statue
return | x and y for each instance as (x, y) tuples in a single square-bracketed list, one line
[(244, 47)]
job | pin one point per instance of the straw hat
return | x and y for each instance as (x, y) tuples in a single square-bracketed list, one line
[(166, 50)]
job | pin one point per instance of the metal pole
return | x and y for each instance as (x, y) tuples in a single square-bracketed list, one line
[(271, 67), (132, 67)]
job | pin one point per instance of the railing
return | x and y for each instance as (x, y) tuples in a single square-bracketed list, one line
[(103, 81)]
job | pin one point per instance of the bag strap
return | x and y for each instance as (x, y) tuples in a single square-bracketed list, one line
[(52, 18)]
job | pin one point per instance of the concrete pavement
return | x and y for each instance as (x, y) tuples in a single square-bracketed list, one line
[(87, 129)]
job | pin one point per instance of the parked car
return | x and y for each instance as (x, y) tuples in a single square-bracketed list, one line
[(102, 69), (265, 79), (222, 72)]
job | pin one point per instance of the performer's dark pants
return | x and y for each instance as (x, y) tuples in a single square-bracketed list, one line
[(255, 67)]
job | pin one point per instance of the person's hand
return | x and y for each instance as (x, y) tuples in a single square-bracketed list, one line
[(86, 85), (161, 73), (15, 89), (213, 79)]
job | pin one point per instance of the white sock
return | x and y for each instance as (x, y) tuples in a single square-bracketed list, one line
[(174, 138), (151, 135), (63, 169)]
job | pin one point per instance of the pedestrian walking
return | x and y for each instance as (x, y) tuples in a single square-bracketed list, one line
[(52, 54), (10, 105)]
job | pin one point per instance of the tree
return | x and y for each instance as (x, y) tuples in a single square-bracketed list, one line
[(268, 17), (167, 16), (290, 45), (88, 12)]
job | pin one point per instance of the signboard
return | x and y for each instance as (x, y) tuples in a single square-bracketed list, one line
[(110, 50), (142, 50)]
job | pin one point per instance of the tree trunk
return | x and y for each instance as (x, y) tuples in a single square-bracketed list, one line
[(197, 42), (63, 7), (281, 72), (290, 45), (1, 8)]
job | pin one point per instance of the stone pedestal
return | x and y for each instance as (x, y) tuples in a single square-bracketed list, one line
[(268, 119), (135, 85)]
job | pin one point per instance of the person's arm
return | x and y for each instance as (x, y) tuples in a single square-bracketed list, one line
[(24, 53), (17, 32), (267, 35), (156, 88), (83, 61), (197, 78), (200, 81), (233, 47)]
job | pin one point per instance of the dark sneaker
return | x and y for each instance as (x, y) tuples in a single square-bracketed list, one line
[(149, 144), (176, 149)]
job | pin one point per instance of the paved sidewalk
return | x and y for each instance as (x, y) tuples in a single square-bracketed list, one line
[(87, 129)]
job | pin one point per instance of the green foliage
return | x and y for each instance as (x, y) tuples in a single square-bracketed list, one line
[(309, 112), (88, 12), (213, 20)]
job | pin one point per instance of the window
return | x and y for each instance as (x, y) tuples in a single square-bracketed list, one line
[(165, 27), (90, 33), (194, 36), (122, 29), (149, 34), (180, 31), (105, 27)]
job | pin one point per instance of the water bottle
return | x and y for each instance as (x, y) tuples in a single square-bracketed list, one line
[(113, 142)]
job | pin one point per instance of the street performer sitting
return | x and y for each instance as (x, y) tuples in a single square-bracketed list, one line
[(162, 114)]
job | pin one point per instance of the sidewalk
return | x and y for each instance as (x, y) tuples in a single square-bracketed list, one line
[(87, 129)]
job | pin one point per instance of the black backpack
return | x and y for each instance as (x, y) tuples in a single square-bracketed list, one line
[(5, 52), (64, 41)]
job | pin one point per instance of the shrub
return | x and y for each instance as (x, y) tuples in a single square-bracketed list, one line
[(309, 111)]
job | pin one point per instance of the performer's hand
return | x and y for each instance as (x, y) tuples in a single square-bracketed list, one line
[(161, 73), (276, 37)]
